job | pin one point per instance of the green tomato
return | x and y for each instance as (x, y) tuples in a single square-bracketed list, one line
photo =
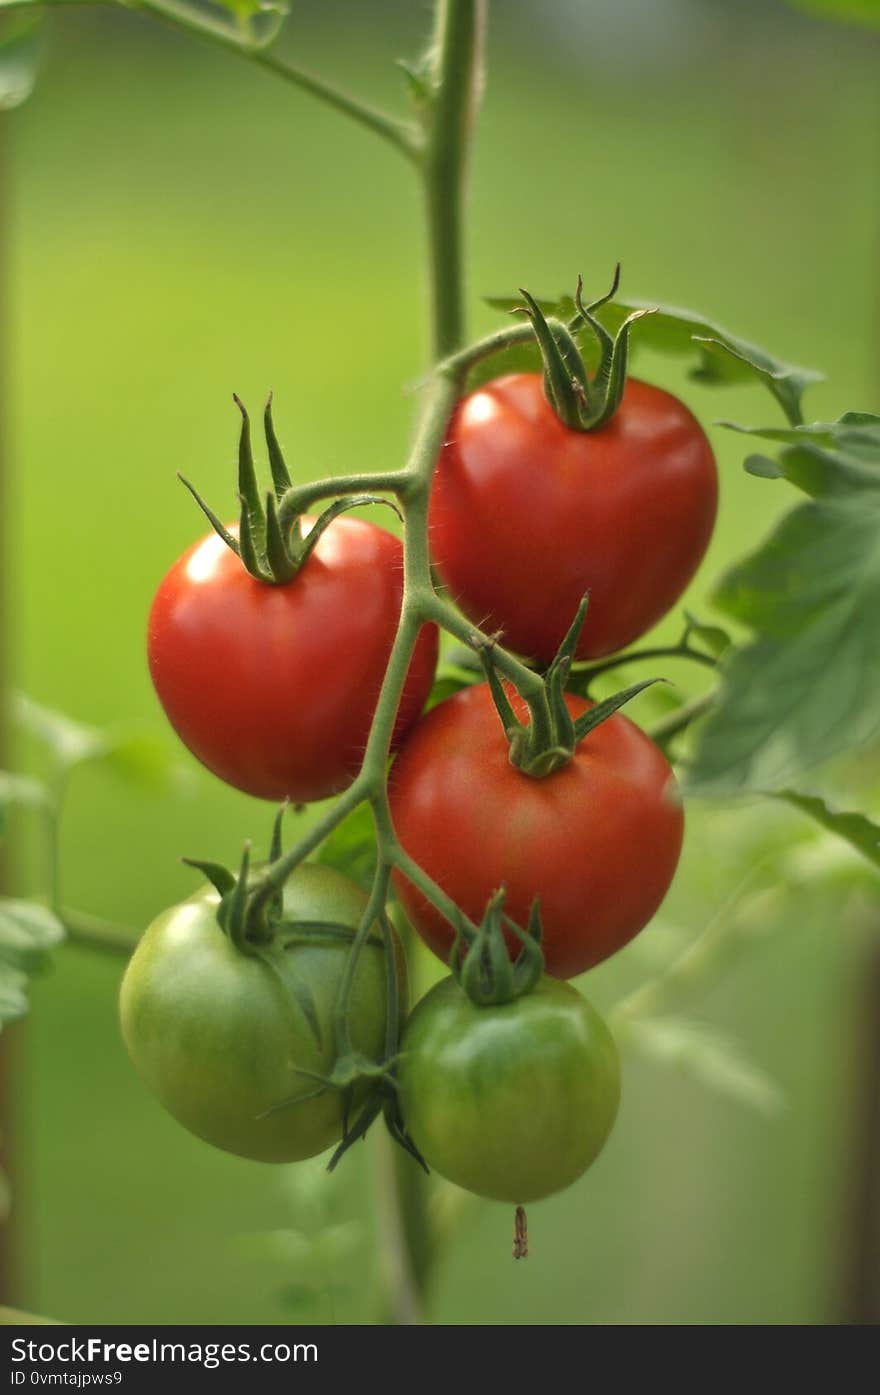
[(220, 1037), (512, 1102)]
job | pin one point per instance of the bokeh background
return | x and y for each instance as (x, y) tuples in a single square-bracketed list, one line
[(181, 226)]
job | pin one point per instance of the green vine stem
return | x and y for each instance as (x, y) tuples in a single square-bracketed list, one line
[(582, 675)]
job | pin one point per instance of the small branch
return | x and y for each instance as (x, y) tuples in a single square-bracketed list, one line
[(585, 673), (527, 682), (397, 133), (403, 1293), (678, 721), (94, 933), (295, 501), (273, 877)]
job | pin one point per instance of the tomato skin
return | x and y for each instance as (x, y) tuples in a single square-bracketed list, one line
[(512, 1102), (273, 688), (216, 1037), (526, 514), (598, 841)]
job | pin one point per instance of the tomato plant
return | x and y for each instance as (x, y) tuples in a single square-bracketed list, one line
[(514, 1101), (597, 841), (528, 831), (274, 687), (528, 513), (231, 1042)]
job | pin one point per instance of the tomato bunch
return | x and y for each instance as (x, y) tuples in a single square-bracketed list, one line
[(527, 832)]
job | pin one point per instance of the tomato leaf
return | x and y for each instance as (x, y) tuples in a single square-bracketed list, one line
[(805, 688), (27, 932), (855, 829), (701, 1051), (720, 357)]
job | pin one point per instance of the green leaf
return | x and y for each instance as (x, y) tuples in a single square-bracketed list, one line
[(21, 43), (719, 357), (351, 847), (855, 829), (701, 1051), (822, 458), (806, 687), (713, 638), (27, 932)]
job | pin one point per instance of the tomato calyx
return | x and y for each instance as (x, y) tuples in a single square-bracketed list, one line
[(251, 914), (582, 403), (272, 544), (480, 960), (550, 738)]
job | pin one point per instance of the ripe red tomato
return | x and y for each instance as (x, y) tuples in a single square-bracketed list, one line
[(274, 687), (598, 841), (526, 514)]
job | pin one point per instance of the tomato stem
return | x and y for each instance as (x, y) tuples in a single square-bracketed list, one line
[(455, 84), (520, 1234)]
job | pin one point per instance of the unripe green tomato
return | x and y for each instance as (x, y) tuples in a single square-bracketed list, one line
[(219, 1037), (512, 1102)]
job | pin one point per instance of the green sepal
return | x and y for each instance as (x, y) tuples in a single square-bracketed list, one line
[(610, 378), (247, 546), (232, 912), (603, 710), (219, 876), (485, 970), (314, 931), (270, 541), (248, 484), (550, 738), (219, 528), (323, 521), (565, 378), (281, 565), (275, 845), (296, 988), (582, 403), (277, 464), (275, 902)]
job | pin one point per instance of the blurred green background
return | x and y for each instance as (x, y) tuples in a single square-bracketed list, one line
[(183, 226)]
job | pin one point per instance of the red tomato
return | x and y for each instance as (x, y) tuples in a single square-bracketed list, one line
[(598, 841), (526, 514), (274, 687)]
